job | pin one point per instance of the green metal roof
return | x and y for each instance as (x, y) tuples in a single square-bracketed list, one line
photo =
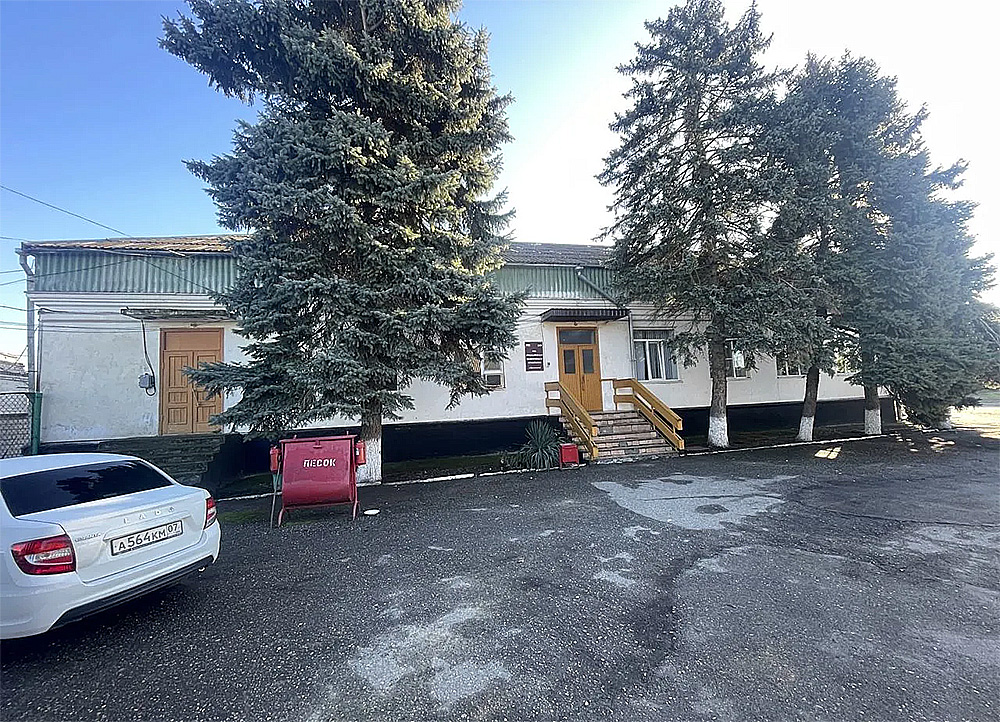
[(97, 272), (89, 270)]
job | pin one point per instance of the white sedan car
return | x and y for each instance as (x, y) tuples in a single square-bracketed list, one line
[(83, 532)]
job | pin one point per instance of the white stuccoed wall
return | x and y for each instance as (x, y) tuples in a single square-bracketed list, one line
[(762, 386), (92, 356)]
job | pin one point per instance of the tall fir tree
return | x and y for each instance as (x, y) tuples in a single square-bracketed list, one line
[(692, 188), (891, 276), (364, 188), (924, 334), (825, 137)]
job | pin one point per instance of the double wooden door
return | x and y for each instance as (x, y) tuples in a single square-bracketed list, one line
[(580, 366), (185, 408)]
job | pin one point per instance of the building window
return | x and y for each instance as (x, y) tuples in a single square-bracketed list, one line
[(736, 365), (585, 336), (493, 377), (653, 360), (787, 367)]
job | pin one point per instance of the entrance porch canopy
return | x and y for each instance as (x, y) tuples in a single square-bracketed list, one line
[(584, 314)]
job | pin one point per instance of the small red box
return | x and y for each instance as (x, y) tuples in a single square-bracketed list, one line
[(568, 454), (275, 459)]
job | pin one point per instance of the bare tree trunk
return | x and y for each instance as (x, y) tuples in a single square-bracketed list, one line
[(873, 411), (809, 405), (371, 434), (718, 425)]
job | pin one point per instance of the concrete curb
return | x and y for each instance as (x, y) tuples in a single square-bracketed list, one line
[(485, 474)]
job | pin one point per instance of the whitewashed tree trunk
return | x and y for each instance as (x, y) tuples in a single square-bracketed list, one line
[(806, 428), (718, 424), (873, 411), (808, 418), (718, 432), (371, 471), (371, 434)]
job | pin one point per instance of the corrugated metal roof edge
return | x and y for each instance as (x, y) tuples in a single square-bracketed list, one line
[(171, 245), (132, 246)]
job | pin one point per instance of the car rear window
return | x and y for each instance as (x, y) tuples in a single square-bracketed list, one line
[(56, 488)]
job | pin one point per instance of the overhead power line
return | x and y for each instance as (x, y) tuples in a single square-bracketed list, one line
[(60, 273), (121, 233), (63, 210)]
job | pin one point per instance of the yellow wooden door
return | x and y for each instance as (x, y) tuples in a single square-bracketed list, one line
[(185, 408), (580, 366)]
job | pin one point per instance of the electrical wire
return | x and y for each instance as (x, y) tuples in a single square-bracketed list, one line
[(62, 210), (149, 364), (150, 263), (121, 233), (130, 257), (60, 273)]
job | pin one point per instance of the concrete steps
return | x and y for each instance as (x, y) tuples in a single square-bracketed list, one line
[(624, 435)]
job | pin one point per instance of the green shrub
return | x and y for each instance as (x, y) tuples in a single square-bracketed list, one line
[(541, 451)]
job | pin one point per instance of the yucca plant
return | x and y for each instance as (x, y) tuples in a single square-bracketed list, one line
[(541, 451)]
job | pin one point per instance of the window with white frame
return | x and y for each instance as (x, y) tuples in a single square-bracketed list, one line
[(493, 376), (736, 365), (787, 366), (653, 359)]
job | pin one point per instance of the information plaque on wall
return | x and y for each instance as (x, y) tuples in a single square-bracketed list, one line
[(533, 360)]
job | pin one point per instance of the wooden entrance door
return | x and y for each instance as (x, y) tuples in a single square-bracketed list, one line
[(580, 366), (184, 408)]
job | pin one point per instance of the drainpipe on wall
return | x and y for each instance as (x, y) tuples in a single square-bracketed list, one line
[(33, 380), (607, 296)]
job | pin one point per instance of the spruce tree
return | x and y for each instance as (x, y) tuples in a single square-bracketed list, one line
[(891, 277), (824, 136), (692, 189), (923, 331), (364, 190)]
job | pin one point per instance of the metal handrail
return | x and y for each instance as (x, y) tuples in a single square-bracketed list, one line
[(664, 419), (579, 420)]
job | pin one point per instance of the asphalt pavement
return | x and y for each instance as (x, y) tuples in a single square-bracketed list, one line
[(853, 581)]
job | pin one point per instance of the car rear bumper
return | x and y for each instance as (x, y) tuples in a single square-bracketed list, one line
[(99, 605), (35, 604)]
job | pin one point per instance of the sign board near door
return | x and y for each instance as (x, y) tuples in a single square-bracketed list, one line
[(534, 360)]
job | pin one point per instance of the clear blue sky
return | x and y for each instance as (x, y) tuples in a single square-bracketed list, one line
[(95, 118)]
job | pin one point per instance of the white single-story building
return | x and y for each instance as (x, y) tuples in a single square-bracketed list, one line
[(119, 319)]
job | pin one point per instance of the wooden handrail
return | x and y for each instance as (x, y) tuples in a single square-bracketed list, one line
[(579, 420), (664, 419)]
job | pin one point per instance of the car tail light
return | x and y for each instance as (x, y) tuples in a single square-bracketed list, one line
[(52, 555), (209, 512)]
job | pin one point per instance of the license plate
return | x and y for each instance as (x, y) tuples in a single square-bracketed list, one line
[(144, 538)]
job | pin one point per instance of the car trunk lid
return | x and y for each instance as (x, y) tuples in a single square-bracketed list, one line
[(114, 535)]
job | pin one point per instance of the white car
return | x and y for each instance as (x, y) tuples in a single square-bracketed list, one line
[(83, 532)]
